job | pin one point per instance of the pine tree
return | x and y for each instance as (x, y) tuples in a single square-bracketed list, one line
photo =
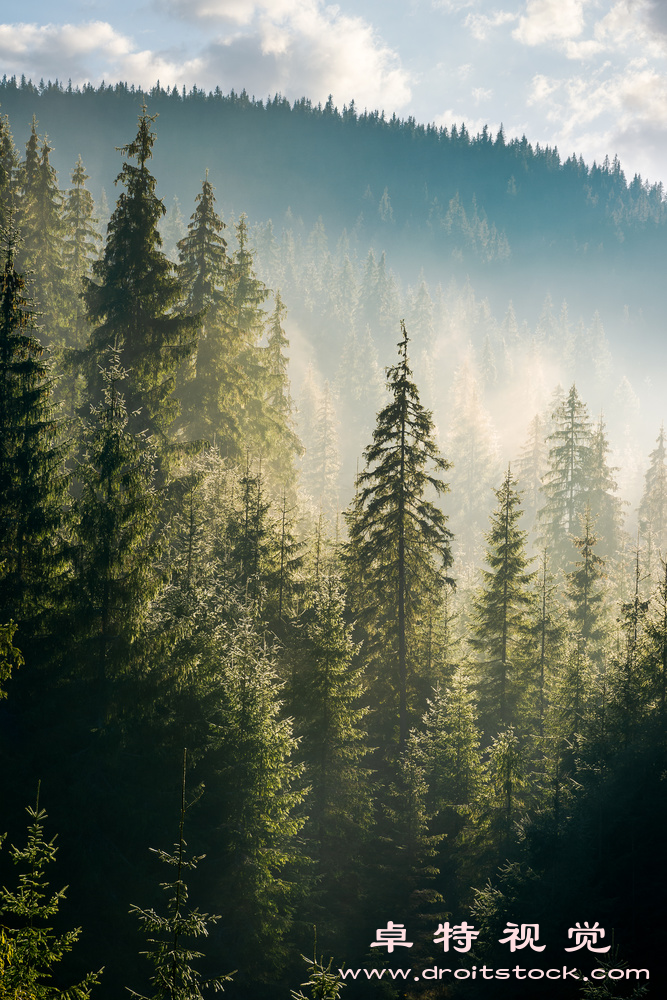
[(10, 656), (9, 162), (329, 720), (175, 976), (212, 385), (322, 463), (500, 609), (530, 469), (282, 442), (399, 541), (33, 483), (28, 913), (116, 568), (566, 482), (653, 506), (585, 591), (81, 247), (449, 749), (132, 298), (247, 318), (43, 230), (605, 505), (507, 768), (256, 796), (632, 678)]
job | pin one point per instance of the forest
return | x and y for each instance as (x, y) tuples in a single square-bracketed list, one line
[(333, 606)]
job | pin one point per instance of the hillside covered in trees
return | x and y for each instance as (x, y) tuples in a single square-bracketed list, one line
[(333, 589)]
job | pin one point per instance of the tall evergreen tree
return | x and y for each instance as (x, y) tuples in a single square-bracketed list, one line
[(606, 506), (175, 975), (653, 506), (9, 161), (329, 719), (500, 609), (33, 483), (28, 914), (43, 230), (132, 299), (585, 591), (255, 812), (116, 568), (399, 544), (82, 246), (283, 445), (566, 482)]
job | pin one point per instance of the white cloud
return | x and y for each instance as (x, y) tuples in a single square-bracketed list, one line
[(481, 25), (550, 21), (480, 94), (295, 47), (66, 41), (611, 110)]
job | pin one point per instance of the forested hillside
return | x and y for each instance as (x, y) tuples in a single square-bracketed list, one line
[(332, 597), (423, 193)]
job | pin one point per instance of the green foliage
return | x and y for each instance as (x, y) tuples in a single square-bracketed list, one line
[(566, 481), (81, 248), (322, 982), (175, 976), (500, 609), (132, 297), (255, 809), (33, 482), (10, 656), (43, 229), (34, 947), (116, 544), (398, 552)]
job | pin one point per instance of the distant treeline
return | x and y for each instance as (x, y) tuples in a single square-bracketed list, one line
[(385, 174)]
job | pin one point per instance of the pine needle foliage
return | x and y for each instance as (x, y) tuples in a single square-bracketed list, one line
[(399, 551), (175, 976), (33, 483), (500, 609), (35, 947), (133, 296)]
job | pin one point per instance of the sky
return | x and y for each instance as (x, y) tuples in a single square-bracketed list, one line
[(589, 76)]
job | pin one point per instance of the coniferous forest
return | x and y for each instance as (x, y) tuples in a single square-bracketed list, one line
[(333, 579)]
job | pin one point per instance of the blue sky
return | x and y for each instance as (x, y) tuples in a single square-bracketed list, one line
[(586, 75)]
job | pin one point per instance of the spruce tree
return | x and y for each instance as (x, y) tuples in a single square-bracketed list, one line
[(653, 506), (566, 481), (247, 319), (10, 656), (33, 483), (500, 609), (82, 245), (585, 591), (175, 975), (116, 547), (9, 162), (398, 552), (329, 720), (256, 791), (43, 230), (132, 299), (605, 505), (283, 444), (27, 914)]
